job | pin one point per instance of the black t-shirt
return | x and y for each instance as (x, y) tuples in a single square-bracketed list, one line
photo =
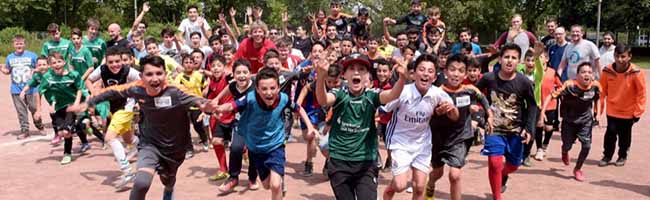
[(512, 102), (357, 28), (413, 20), (110, 79), (236, 94), (122, 43), (577, 103), (450, 132), (341, 24), (548, 41), (304, 45)]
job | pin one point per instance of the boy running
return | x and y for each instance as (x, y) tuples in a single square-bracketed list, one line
[(353, 138), (578, 98), (513, 104), (164, 141), (194, 82), (262, 127), (20, 65), (453, 138), (408, 134)]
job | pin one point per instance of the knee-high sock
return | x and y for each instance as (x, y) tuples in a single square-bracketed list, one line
[(495, 170), (67, 145), (220, 152), (118, 151)]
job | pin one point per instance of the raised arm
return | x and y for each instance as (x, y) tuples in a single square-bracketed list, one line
[(136, 22), (285, 23), (323, 98), (233, 13), (392, 94)]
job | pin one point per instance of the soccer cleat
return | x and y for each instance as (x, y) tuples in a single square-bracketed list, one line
[(309, 169), (218, 176), (229, 185), (84, 147), (604, 162), (527, 162), (565, 158), (579, 176), (620, 162), (205, 146), (67, 158), (539, 155), (124, 180)]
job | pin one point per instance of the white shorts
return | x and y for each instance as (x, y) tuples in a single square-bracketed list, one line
[(403, 160)]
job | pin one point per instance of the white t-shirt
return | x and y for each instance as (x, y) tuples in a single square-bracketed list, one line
[(576, 53), (187, 27), (408, 129), (606, 56), (173, 52)]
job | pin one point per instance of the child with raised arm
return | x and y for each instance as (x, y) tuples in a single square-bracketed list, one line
[(353, 136)]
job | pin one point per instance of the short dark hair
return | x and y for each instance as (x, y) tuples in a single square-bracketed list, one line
[(510, 46), (473, 63), (214, 38), (283, 42), (271, 53), (428, 58), (155, 61), (463, 30), (241, 62), (583, 64), (622, 48), (196, 33), (114, 51), (167, 31), (126, 51), (53, 27), (149, 41), (228, 48), (266, 73), (198, 51), (184, 57), (334, 70), (217, 57), (192, 6), (363, 12), (529, 54), (457, 58), (42, 57), (76, 31), (383, 61), (91, 22), (466, 45)]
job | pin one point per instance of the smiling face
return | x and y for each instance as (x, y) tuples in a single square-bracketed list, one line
[(331, 32), (195, 41), (114, 63), (622, 59), (198, 59), (258, 35), (92, 32), (608, 40), (19, 45), (114, 31), (372, 46), (152, 49), (41, 65), (424, 75), (192, 14), (465, 37), (550, 27), (416, 8), (355, 74), (473, 73), (585, 75), (76, 40), (576, 33), (509, 61), (383, 73), (242, 75), (57, 63), (269, 90), (154, 78), (228, 55), (274, 63), (217, 68), (456, 73)]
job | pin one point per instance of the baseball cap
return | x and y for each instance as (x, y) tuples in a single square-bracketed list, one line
[(356, 58)]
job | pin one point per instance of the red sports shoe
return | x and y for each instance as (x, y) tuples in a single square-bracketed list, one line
[(565, 158), (579, 175)]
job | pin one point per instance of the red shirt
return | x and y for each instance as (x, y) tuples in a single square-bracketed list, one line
[(254, 55), (214, 89), (549, 83), (383, 118)]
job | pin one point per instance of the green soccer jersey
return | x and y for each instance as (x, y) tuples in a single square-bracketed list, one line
[(60, 90), (353, 136), (63, 46), (97, 48), (36, 80), (81, 60)]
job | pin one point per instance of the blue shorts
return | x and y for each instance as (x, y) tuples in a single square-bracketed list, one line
[(509, 146), (315, 117), (265, 162)]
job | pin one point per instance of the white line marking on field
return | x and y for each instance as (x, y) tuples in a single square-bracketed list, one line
[(29, 139)]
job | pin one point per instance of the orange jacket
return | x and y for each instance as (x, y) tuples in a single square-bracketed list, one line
[(624, 93)]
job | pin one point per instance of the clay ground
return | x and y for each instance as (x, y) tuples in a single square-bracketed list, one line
[(31, 170)]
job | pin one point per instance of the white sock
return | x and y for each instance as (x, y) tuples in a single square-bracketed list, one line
[(118, 151)]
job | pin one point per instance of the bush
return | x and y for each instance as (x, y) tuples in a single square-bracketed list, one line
[(154, 30), (6, 40)]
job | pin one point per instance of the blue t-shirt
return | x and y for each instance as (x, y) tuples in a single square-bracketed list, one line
[(555, 53), (475, 48), (261, 126), (21, 67)]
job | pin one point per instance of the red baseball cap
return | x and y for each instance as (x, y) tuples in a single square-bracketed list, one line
[(356, 58)]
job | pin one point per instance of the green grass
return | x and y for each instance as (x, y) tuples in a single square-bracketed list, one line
[(643, 62)]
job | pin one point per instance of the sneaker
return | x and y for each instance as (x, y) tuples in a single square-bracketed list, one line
[(428, 194), (504, 183), (189, 154), (229, 185), (218, 176), (620, 162), (539, 155), (252, 185), (604, 162), (565, 158), (84, 147), (23, 134), (56, 140), (205, 146), (125, 166), (124, 180), (309, 169), (67, 158), (579, 176), (527, 162), (409, 189)]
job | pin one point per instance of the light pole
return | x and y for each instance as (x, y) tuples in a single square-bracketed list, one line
[(598, 23)]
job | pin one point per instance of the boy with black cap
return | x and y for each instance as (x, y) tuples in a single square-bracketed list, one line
[(353, 138)]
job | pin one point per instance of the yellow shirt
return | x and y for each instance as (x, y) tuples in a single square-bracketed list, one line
[(194, 83)]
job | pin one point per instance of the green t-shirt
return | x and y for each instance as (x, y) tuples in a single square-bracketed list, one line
[(536, 77), (353, 136), (60, 90), (97, 48), (36, 80), (63, 46), (81, 60)]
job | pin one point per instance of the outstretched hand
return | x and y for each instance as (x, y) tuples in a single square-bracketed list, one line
[(232, 12), (77, 107), (145, 7)]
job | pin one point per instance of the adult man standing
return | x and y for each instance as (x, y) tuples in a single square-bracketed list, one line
[(254, 47), (549, 40), (464, 36), (116, 37), (556, 51), (579, 51), (607, 50)]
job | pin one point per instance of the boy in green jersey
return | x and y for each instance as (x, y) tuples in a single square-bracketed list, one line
[(57, 43), (95, 44)]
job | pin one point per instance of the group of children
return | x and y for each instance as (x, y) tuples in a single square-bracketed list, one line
[(427, 104)]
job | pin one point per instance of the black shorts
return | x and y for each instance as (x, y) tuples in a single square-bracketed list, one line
[(480, 118), (353, 179), (381, 131), (453, 156), (570, 132), (551, 118), (166, 165), (63, 120), (222, 130)]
